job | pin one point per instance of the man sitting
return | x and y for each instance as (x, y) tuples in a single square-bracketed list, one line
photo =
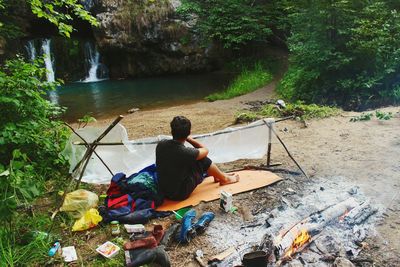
[(180, 169)]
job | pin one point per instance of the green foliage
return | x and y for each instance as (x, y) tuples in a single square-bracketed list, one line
[(30, 136), (26, 246), (51, 12), (246, 82), (232, 22), (381, 115), (60, 13), (85, 120), (362, 117), (297, 109), (343, 52)]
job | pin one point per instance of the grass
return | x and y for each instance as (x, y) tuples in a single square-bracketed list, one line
[(25, 243), (248, 81), (297, 109)]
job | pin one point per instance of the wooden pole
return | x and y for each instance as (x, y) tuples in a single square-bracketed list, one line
[(86, 159), (287, 150), (94, 144), (269, 124), (87, 145)]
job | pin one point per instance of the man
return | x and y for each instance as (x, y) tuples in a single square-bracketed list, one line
[(180, 169)]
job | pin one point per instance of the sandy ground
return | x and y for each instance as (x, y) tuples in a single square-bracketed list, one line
[(366, 153)]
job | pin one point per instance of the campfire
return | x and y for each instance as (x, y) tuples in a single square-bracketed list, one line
[(299, 236), (309, 227)]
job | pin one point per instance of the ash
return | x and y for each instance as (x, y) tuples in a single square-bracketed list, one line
[(340, 238)]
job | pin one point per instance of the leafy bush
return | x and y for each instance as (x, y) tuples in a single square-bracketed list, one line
[(31, 137), (246, 82), (381, 115), (297, 109), (343, 52), (362, 117)]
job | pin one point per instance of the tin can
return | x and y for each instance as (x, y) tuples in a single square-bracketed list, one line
[(225, 201), (115, 228)]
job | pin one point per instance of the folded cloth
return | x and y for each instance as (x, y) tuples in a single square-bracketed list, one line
[(147, 242)]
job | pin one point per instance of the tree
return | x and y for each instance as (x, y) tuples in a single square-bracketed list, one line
[(59, 12), (232, 22), (343, 52)]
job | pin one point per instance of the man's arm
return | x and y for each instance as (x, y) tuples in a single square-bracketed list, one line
[(203, 151)]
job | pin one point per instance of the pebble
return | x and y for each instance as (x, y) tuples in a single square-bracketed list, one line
[(342, 262)]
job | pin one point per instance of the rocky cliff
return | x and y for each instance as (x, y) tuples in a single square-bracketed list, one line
[(145, 37), (135, 38)]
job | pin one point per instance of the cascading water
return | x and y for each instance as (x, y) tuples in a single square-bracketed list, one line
[(48, 60), (97, 71), (30, 49)]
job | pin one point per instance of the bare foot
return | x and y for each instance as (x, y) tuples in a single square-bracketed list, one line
[(231, 178)]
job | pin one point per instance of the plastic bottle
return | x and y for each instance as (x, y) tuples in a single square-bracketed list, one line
[(53, 250)]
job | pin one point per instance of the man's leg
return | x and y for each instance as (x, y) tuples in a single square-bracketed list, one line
[(221, 177)]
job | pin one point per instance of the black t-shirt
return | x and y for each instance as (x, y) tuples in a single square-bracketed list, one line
[(175, 164)]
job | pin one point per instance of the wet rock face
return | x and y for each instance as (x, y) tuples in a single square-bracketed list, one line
[(138, 38)]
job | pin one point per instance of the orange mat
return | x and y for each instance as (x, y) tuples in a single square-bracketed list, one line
[(208, 190)]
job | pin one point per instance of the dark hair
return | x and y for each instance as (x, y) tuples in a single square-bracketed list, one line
[(180, 127)]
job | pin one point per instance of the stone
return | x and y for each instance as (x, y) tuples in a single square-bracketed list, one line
[(342, 262), (295, 263)]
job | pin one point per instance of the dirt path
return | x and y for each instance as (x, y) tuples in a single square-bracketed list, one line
[(366, 153)]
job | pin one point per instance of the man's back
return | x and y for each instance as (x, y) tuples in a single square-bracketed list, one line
[(175, 164)]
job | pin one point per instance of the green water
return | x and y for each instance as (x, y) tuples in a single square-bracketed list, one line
[(109, 98)]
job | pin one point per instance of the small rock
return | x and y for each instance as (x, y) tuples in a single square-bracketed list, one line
[(295, 263), (342, 262), (322, 188), (133, 110), (353, 190), (310, 257)]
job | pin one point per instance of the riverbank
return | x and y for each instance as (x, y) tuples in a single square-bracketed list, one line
[(364, 152)]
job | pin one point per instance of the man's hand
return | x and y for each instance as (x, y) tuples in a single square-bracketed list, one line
[(194, 143), (203, 151)]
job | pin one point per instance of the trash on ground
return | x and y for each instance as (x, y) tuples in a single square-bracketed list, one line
[(221, 256), (198, 255), (134, 228), (78, 202), (53, 250), (89, 220), (69, 254), (108, 249), (225, 201), (115, 228)]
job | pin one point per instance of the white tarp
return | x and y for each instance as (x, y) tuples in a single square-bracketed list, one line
[(246, 142)]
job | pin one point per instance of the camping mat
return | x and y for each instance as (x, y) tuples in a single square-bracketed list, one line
[(208, 190)]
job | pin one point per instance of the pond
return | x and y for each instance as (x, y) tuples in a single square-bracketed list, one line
[(108, 98)]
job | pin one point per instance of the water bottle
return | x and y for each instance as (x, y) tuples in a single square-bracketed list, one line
[(53, 250)]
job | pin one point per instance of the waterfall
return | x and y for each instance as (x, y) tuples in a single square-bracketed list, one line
[(31, 51), (47, 60), (97, 71)]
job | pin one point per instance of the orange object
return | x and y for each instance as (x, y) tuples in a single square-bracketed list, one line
[(208, 190)]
